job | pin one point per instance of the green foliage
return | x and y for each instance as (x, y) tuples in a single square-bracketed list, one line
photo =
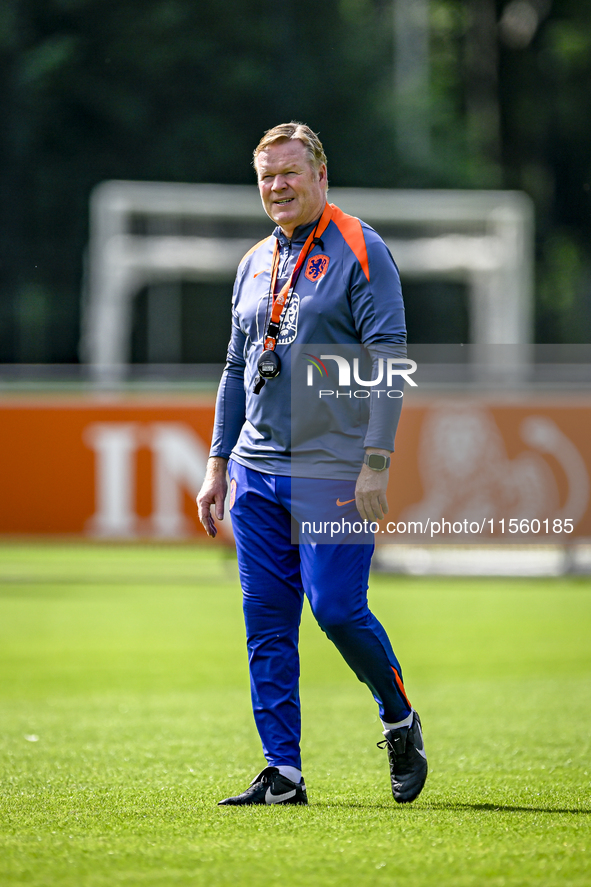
[(175, 90), (563, 314), (125, 717)]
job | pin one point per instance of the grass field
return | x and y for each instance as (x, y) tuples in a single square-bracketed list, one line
[(124, 718)]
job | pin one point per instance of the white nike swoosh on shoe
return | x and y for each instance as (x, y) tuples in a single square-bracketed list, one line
[(270, 798), (421, 750)]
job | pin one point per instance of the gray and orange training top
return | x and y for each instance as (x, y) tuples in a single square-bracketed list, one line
[(347, 294)]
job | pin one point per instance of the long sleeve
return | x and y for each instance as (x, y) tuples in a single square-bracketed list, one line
[(378, 311), (229, 413), (230, 407), (385, 409)]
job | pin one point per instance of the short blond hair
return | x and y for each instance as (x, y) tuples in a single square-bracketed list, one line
[(293, 130)]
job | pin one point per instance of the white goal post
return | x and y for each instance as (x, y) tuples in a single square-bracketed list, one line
[(481, 238)]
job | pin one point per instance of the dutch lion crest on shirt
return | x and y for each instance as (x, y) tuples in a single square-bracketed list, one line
[(316, 267)]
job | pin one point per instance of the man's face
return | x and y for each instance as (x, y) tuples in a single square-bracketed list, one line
[(292, 191)]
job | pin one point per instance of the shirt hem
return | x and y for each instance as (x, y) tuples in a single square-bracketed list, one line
[(288, 469)]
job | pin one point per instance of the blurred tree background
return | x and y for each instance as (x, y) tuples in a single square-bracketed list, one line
[(404, 93)]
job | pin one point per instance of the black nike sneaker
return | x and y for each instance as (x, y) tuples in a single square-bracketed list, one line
[(270, 787), (408, 761)]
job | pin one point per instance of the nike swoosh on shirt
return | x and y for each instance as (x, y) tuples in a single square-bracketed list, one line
[(270, 798), (261, 272), (347, 502)]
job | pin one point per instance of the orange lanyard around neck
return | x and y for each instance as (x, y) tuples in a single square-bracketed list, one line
[(281, 300)]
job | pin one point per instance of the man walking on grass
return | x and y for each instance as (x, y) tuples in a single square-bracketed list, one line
[(321, 277)]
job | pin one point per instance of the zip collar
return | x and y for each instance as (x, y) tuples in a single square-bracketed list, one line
[(299, 235)]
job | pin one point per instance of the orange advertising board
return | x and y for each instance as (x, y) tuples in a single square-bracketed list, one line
[(131, 468), (103, 468), (505, 470)]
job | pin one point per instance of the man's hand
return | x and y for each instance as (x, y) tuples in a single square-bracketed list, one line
[(213, 493), (370, 490)]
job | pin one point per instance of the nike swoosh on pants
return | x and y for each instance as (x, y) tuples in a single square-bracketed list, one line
[(347, 502)]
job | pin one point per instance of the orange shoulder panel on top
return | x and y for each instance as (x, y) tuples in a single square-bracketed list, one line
[(253, 248), (350, 228)]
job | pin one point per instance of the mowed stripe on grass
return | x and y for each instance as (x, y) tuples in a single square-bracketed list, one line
[(125, 717)]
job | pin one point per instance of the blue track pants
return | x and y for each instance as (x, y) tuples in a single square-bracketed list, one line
[(275, 575)]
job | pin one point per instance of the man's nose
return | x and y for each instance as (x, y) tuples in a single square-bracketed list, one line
[(279, 183)]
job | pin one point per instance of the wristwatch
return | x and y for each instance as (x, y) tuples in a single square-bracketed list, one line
[(377, 462)]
